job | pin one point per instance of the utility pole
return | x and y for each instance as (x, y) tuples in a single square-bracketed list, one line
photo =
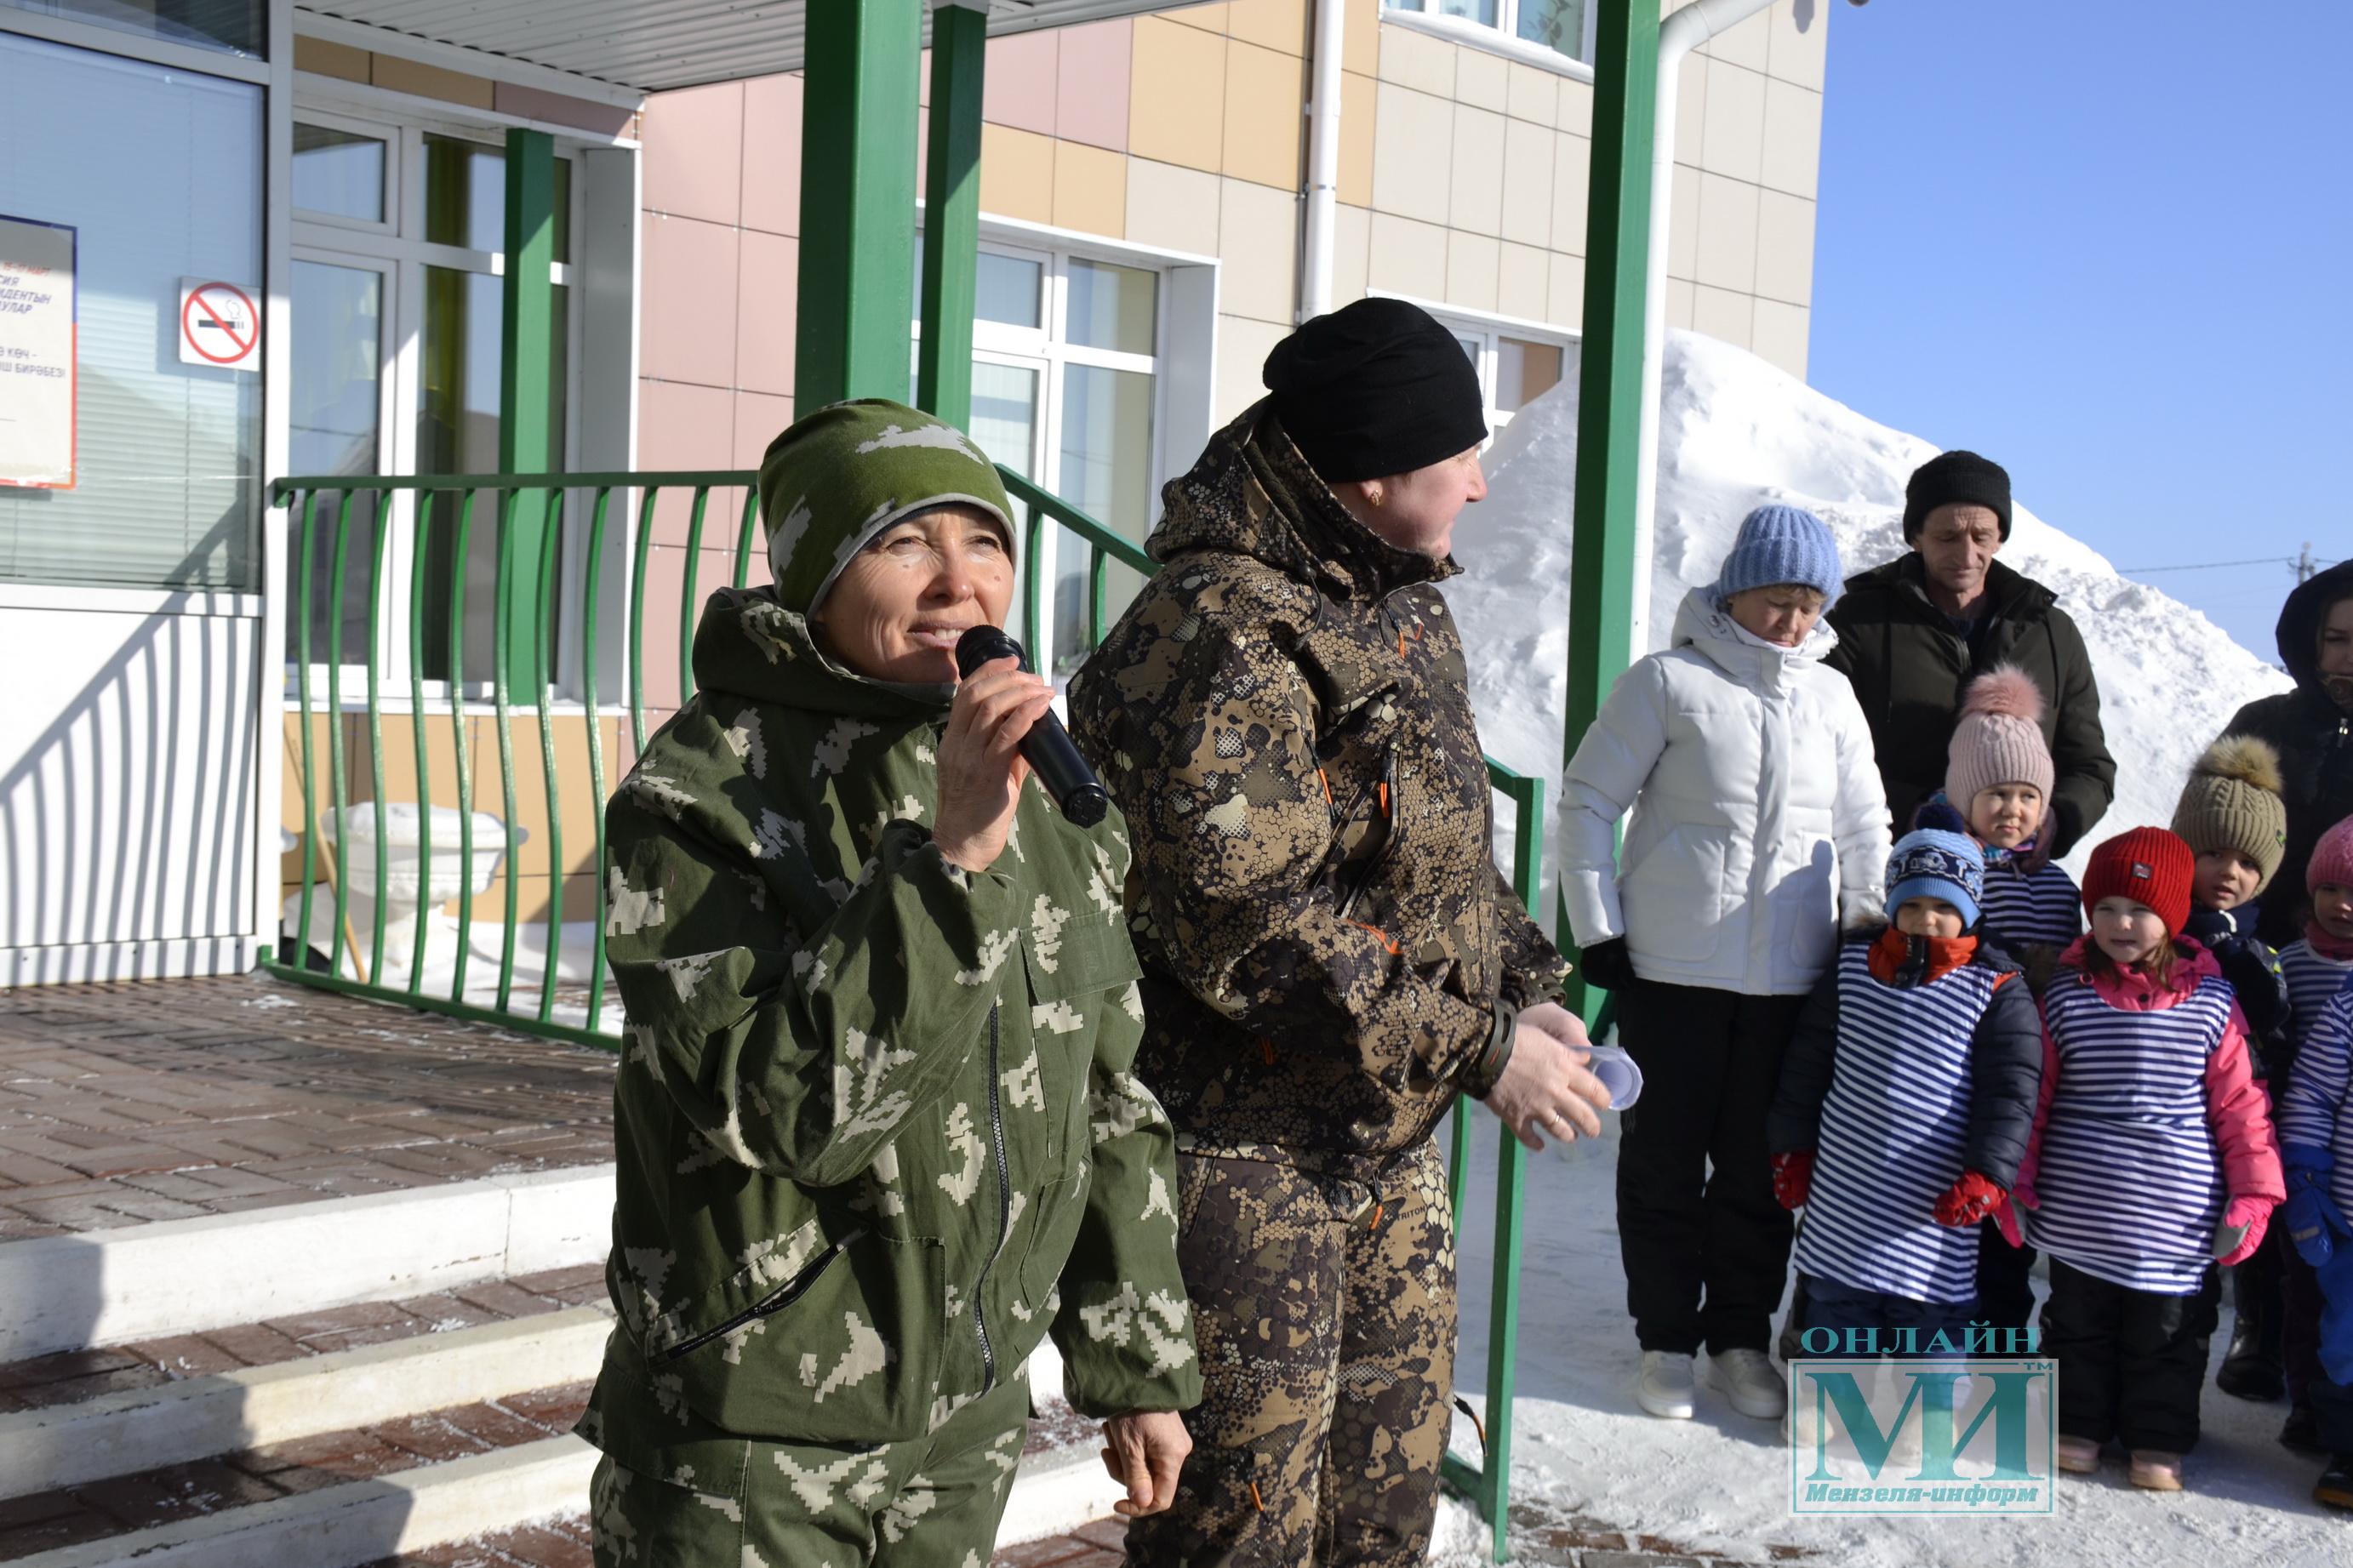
[(2304, 566)]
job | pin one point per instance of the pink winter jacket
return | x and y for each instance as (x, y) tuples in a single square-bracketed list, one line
[(2236, 1106)]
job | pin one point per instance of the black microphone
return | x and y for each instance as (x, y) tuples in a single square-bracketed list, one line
[(1047, 748)]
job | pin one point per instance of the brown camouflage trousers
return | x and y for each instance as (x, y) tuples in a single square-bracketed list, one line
[(1325, 1313), (929, 1502)]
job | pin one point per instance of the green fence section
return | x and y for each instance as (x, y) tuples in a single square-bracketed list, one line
[(446, 519)]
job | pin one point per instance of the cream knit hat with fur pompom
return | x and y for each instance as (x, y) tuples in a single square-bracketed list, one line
[(2232, 802)]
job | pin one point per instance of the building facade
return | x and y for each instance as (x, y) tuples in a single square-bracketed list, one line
[(271, 241)]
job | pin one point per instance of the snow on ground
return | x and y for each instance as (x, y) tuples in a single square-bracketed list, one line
[(1736, 432), (1719, 1483)]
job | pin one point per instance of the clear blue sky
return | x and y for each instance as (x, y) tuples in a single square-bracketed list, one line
[(2110, 245)]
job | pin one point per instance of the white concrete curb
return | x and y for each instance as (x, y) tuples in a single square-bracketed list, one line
[(146, 1428), (185, 1276), (359, 1522), (1053, 1493)]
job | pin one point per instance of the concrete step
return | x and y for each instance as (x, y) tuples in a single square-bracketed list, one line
[(61, 1293), (333, 1499), (199, 1417)]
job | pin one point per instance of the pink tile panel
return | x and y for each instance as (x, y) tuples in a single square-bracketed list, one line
[(1018, 89), (766, 276), (1090, 87), (694, 151), (689, 297), (772, 154)]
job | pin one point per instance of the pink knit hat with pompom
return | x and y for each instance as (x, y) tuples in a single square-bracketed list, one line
[(1999, 738), (2332, 858)]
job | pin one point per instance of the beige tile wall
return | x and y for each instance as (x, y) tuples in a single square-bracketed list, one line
[(1463, 180)]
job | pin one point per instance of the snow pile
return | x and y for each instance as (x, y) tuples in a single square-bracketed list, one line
[(1736, 432)]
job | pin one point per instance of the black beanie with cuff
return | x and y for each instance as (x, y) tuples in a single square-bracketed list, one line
[(1374, 389), (1956, 479)]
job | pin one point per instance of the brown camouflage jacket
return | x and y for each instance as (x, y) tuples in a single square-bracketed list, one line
[(1283, 716)]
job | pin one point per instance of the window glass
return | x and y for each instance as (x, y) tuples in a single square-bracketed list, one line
[(337, 358), (466, 196), (231, 27), (465, 193), (1007, 291), (1557, 25), (1106, 472), (338, 173), (161, 172), (337, 354), (1005, 414), (1524, 371), (1112, 307), (1480, 11)]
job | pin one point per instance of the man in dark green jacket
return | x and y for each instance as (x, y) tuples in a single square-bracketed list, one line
[(1913, 633)]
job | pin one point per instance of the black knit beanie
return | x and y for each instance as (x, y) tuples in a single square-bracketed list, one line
[(1956, 479), (1376, 389)]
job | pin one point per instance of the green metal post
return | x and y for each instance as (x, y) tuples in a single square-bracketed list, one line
[(1609, 390), (951, 214), (526, 379), (858, 201)]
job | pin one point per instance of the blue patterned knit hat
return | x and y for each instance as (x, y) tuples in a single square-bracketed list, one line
[(1933, 864), (1781, 544)]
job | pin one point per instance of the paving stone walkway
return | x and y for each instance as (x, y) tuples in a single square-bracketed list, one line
[(123, 1103)]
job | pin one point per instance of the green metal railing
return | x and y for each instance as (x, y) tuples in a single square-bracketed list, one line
[(527, 603), (525, 598)]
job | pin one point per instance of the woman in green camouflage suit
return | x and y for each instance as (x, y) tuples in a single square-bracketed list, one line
[(877, 1134)]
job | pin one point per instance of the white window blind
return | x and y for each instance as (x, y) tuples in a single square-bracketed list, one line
[(161, 170)]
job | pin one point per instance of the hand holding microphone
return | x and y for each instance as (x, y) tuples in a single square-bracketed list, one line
[(1047, 747), (1001, 729)]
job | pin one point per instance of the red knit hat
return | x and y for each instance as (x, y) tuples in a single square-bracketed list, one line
[(2149, 866)]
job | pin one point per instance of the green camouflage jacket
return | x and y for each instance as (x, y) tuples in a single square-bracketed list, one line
[(876, 1128), (1283, 716)]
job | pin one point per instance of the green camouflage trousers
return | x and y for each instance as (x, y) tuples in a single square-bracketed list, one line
[(929, 1502), (1324, 1311)]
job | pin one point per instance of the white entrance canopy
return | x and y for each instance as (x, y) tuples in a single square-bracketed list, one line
[(653, 44)]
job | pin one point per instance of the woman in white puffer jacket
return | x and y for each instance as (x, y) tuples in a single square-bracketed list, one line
[(1760, 829)]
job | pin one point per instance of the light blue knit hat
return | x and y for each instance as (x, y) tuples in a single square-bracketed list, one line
[(1781, 544), (1930, 863)]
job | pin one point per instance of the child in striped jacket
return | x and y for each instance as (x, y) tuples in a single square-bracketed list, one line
[(2316, 966), (1999, 776), (2151, 1160), (2233, 818), (1905, 1103), (2317, 1146), (2319, 964)]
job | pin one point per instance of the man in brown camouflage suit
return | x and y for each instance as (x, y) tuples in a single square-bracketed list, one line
[(1329, 954)]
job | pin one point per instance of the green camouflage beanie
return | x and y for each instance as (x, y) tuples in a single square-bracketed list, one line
[(834, 481)]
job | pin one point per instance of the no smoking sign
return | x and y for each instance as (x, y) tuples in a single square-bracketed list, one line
[(220, 325)]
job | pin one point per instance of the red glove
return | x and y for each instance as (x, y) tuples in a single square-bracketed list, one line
[(1793, 1177), (1973, 1198)]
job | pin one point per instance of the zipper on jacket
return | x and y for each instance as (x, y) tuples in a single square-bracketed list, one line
[(1004, 1212), (784, 1296), (1394, 821)]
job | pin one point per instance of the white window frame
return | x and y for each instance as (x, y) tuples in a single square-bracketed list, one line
[(399, 250), (1182, 363)]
